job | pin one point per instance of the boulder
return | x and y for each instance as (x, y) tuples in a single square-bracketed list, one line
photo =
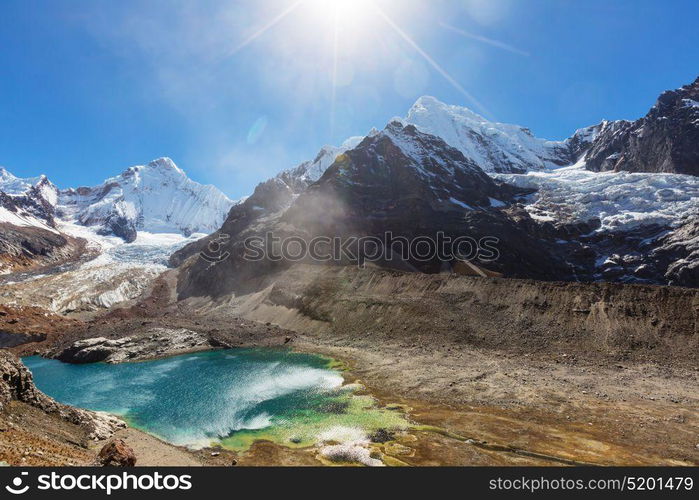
[(116, 453)]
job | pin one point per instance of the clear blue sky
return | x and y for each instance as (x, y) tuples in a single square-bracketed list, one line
[(89, 87)]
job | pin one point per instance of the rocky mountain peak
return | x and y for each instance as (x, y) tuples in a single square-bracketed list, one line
[(665, 140), (166, 164), (686, 96), (28, 202)]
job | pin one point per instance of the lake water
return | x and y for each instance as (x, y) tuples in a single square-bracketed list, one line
[(230, 397)]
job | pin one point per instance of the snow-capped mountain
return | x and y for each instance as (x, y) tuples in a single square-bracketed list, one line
[(157, 198), (28, 232), (640, 224), (446, 169), (27, 202), (400, 152), (400, 181), (495, 147), (110, 241), (16, 186), (665, 140)]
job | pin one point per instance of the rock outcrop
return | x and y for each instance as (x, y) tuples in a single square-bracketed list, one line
[(158, 342), (24, 247), (16, 383), (665, 140)]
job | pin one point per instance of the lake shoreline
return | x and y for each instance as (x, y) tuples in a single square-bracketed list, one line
[(347, 416)]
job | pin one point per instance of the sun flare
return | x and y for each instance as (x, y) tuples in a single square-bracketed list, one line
[(339, 35), (344, 9), (354, 15)]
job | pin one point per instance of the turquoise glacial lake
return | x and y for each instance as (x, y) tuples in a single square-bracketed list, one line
[(226, 397)]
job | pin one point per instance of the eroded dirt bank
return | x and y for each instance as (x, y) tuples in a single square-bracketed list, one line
[(597, 321)]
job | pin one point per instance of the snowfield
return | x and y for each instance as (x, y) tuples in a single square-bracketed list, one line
[(120, 272)]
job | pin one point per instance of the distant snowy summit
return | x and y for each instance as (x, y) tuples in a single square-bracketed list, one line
[(157, 197), (29, 202)]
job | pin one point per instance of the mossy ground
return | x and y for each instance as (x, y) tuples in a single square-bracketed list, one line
[(341, 415)]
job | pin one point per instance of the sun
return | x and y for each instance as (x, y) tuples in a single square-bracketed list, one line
[(341, 6), (344, 13), (349, 8)]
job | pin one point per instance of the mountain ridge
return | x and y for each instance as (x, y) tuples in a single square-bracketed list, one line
[(156, 197)]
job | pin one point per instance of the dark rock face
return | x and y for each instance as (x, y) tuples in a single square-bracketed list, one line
[(30, 204), (116, 453), (8, 339), (29, 241), (122, 227), (665, 140), (677, 253), (269, 197), (88, 351)]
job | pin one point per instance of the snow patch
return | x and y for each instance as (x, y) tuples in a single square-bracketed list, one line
[(461, 203)]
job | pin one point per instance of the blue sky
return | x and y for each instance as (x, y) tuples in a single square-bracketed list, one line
[(90, 87)]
